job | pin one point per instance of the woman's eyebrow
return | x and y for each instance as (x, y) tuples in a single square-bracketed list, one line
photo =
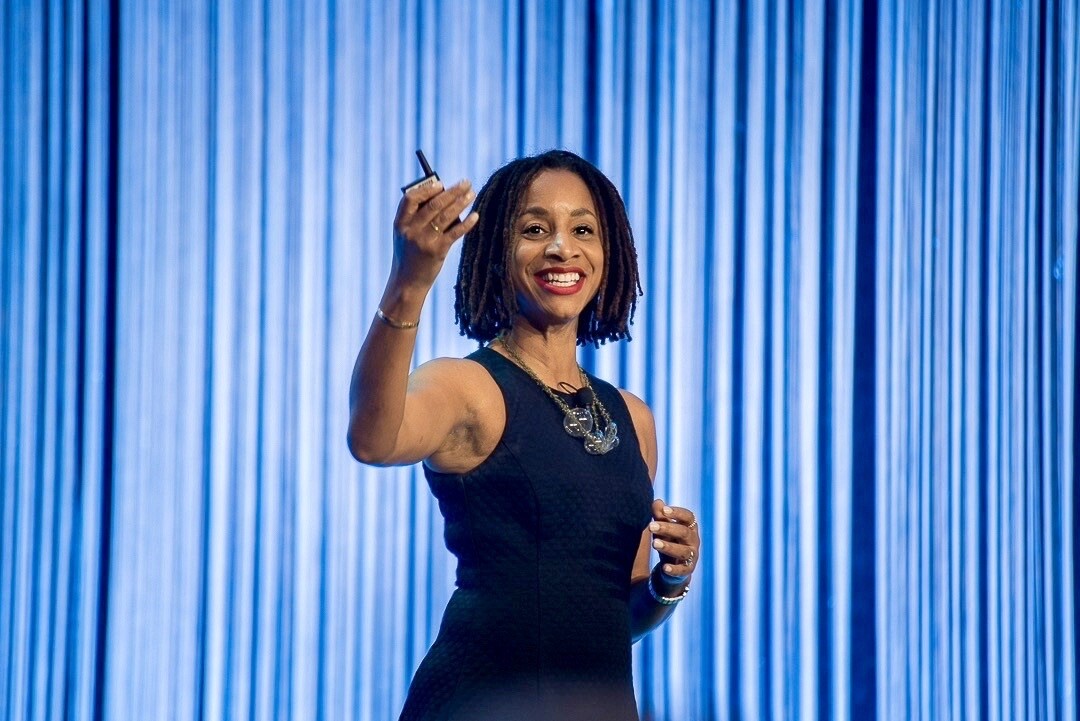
[(534, 210), (537, 210)]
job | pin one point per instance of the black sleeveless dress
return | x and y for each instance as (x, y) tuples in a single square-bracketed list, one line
[(545, 535)]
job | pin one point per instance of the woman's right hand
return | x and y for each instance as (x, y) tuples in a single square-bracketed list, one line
[(421, 238)]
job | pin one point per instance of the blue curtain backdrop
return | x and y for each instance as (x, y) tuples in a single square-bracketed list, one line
[(858, 228)]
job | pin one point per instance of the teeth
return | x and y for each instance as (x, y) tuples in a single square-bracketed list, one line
[(563, 279)]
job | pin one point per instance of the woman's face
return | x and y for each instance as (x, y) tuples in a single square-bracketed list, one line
[(558, 250)]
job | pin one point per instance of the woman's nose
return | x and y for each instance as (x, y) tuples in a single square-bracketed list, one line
[(558, 246)]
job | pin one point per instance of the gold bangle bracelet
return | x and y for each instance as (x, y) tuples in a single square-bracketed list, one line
[(398, 324)]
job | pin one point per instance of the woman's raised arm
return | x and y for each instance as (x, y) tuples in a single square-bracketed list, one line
[(391, 422)]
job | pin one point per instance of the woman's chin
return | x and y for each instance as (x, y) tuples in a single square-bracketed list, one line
[(553, 310), (550, 320)]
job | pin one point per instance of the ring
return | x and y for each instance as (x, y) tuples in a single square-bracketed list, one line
[(690, 561), (434, 227), (692, 525)]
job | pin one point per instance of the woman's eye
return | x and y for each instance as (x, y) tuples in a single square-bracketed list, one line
[(584, 230), (533, 229)]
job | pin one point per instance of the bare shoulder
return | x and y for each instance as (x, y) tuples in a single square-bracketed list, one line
[(639, 409), (450, 372), (478, 409), (459, 383), (644, 428)]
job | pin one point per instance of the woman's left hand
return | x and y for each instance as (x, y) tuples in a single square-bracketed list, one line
[(675, 536)]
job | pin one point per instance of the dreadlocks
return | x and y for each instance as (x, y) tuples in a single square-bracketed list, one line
[(485, 303)]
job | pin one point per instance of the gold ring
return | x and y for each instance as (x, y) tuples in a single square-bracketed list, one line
[(692, 525), (435, 227)]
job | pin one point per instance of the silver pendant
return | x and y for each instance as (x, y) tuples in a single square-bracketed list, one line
[(598, 444), (578, 422)]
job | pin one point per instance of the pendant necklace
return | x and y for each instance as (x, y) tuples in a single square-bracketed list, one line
[(578, 422)]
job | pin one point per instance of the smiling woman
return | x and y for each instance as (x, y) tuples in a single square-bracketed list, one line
[(558, 256), (548, 509), (857, 226), (487, 302)]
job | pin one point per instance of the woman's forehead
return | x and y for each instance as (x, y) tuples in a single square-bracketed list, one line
[(562, 189)]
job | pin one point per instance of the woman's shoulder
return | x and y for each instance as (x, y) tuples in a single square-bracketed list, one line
[(467, 385), (639, 409), (644, 427), (452, 372), (634, 402)]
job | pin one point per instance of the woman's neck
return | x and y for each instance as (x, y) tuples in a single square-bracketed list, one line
[(551, 354)]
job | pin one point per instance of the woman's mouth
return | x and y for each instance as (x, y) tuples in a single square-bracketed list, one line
[(560, 281)]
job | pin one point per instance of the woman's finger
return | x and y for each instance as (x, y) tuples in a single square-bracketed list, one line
[(450, 216), (679, 515), (675, 514), (444, 209), (677, 559), (415, 198), (671, 531), (420, 207), (678, 552), (467, 224), (675, 537), (677, 570)]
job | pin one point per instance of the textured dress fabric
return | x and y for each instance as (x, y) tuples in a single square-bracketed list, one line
[(545, 536)]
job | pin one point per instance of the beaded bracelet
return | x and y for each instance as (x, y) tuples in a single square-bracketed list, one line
[(665, 600), (399, 324)]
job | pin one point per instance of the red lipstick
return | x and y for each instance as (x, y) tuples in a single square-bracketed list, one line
[(560, 280)]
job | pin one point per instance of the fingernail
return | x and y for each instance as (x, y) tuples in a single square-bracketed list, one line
[(669, 568), (658, 543), (654, 526), (667, 510)]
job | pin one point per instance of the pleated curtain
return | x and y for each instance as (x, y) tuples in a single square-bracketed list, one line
[(857, 224)]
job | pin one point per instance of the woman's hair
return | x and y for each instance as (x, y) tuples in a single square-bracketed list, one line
[(485, 302)]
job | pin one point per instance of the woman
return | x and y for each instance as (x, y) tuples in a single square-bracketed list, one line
[(542, 472)]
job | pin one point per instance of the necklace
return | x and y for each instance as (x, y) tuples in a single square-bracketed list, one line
[(578, 422)]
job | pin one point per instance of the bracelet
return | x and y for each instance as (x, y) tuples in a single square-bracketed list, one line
[(667, 600), (399, 324)]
